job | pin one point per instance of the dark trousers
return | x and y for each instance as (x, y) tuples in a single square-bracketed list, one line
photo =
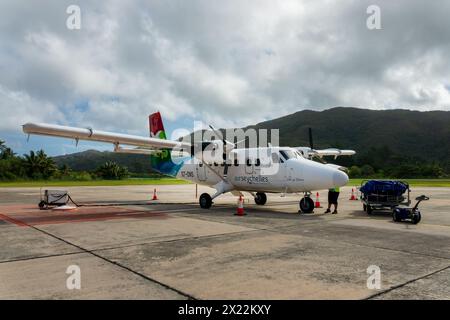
[(333, 197)]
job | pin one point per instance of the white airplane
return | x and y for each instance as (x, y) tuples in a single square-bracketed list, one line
[(219, 163)]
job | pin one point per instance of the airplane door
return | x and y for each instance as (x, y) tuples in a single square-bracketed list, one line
[(294, 177), (288, 175), (201, 172)]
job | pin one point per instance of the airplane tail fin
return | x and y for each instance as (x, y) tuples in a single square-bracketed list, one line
[(156, 126), (161, 161)]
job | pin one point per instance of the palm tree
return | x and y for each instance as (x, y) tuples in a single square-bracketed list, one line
[(39, 165), (31, 164), (5, 152), (65, 170), (46, 164), (111, 170)]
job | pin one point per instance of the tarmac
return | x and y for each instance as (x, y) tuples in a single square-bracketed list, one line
[(130, 247)]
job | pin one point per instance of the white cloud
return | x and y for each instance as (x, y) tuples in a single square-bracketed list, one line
[(18, 107), (228, 63)]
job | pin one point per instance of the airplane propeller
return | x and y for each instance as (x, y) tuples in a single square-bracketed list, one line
[(311, 145)]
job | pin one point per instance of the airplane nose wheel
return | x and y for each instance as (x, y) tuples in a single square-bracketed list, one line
[(205, 201), (260, 198), (306, 205)]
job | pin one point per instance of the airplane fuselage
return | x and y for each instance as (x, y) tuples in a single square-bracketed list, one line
[(272, 169)]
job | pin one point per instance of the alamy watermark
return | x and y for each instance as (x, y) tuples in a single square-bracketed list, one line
[(374, 279), (373, 21), (73, 21), (74, 279), (214, 147)]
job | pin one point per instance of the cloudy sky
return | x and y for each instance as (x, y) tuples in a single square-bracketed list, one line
[(224, 62)]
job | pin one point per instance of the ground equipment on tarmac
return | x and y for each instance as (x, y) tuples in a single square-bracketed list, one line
[(409, 214), (384, 194), (53, 198)]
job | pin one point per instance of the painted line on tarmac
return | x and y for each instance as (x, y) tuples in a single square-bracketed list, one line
[(12, 220), (42, 257)]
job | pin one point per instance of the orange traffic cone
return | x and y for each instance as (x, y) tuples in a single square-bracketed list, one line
[(353, 197), (317, 203), (155, 197), (240, 208)]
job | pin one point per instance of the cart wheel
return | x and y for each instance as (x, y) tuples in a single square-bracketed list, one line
[(42, 205), (416, 218), (369, 209), (394, 217)]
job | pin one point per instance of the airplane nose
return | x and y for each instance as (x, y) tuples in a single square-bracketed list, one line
[(340, 178)]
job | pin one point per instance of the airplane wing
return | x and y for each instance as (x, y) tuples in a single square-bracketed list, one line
[(334, 152), (143, 144), (308, 152)]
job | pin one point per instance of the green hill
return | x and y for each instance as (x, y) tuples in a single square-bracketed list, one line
[(91, 159), (423, 135)]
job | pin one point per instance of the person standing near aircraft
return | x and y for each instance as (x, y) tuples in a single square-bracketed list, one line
[(333, 195)]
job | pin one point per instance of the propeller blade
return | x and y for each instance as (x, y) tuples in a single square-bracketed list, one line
[(311, 145), (243, 140), (226, 144), (218, 133)]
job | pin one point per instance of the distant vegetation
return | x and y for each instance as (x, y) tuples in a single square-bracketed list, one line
[(37, 166), (382, 162), (112, 171)]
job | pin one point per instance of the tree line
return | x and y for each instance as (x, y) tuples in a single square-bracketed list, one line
[(39, 166), (382, 162)]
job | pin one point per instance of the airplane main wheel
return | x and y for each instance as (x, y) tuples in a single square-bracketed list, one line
[(205, 201), (306, 205), (395, 217), (260, 198)]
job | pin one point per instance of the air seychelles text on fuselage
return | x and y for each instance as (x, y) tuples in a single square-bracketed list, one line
[(252, 179)]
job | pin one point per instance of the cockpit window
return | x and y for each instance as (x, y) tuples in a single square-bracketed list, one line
[(288, 154)]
